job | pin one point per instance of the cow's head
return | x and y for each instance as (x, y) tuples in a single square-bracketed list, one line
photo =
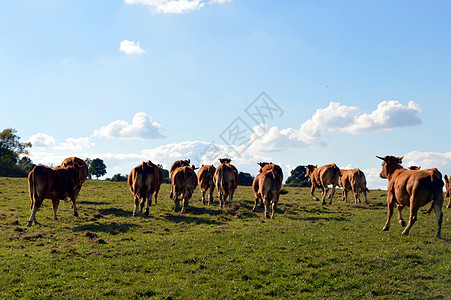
[(225, 160), (389, 165), (194, 167), (74, 172), (414, 168), (310, 169)]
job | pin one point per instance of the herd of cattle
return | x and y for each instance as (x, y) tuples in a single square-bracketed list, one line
[(406, 187)]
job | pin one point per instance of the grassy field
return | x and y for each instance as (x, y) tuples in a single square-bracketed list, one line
[(307, 251)]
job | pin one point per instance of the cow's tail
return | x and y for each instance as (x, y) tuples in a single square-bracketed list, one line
[(437, 185), (337, 174), (32, 187)]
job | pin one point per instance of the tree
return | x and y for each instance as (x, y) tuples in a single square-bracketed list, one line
[(245, 179), (297, 178), (12, 161), (165, 174), (118, 177), (96, 167)]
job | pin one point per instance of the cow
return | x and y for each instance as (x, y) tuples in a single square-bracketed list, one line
[(448, 186), (413, 188), (53, 183), (205, 179), (226, 181), (175, 165), (267, 187), (321, 177), (144, 181), (353, 180), (184, 182)]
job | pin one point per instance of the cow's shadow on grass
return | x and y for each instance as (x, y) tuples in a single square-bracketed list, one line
[(93, 202), (118, 212), (111, 228), (189, 218)]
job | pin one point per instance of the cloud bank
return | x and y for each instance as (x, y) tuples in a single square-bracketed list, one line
[(336, 118), (142, 127)]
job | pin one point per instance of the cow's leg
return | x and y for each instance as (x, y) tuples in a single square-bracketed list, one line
[(439, 216), (149, 203), (73, 199), (266, 204), (413, 217), (356, 195), (210, 198), (449, 203), (366, 199), (156, 195), (274, 204), (203, 195), (390, 207), (312, 191), (325, 190), (400, 219), (345, 195), (136, 206), (185, 202), (257, 199), (332, 193), (231, 197), (34, 208), (55, 203)]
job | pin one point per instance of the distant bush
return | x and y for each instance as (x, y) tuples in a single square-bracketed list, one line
[(245, 179), (298, 178), (118, 177)]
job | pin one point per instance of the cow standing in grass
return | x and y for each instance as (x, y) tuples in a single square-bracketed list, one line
[(184, 182), (205, 179), (144, 181), (412, 188), (226, 181), (175, 165), (267, 187), (321, 177), (353, 180), (448, 186), (53, 183)]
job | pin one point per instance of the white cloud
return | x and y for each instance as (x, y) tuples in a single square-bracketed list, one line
[(427, 160), (174, 6), (129, 47), (75, 144), (42, 140), (336, 117), (141, 127)]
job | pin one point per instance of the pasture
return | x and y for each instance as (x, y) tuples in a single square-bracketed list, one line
[(307, 251)]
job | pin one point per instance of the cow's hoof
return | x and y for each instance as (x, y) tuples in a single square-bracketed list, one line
[(75, 214), (405, 233), (146, 213), (402, 222), (385, 228), (29, 223)]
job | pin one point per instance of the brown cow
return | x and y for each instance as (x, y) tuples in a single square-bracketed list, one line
[(226, 181), (53, 183), (205, 179), (184, 182), (175, 165), (144, 181), (353, 180), (321, 177), (267, 187), (411, 188), (414, 167), (448, 186)]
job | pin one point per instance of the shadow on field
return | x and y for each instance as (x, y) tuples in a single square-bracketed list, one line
[(118, 212), (93, 202), (179, 218), (112, 228)]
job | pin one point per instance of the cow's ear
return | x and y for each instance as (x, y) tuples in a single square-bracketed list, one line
[(316, 166), (446, 177)]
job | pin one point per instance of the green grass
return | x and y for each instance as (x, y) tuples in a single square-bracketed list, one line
[(307, 251)]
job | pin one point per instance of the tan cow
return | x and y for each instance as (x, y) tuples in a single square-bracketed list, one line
[(144, 181), (412, 188), (53, 183), (267, 187), (184, 182), (205, 179), (321, 177), (175, 165), (226, 181), (353, 180), (448, 186)]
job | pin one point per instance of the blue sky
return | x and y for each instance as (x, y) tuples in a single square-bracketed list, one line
[(132, 80)]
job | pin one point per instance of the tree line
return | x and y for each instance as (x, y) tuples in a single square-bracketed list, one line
[(14, 162)]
